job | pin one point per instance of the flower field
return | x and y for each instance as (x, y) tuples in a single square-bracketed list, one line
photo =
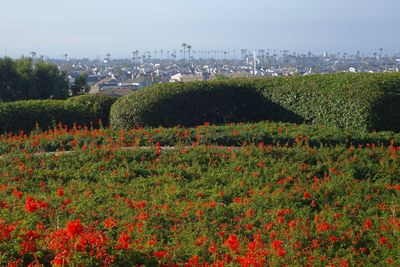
[(236, 195)]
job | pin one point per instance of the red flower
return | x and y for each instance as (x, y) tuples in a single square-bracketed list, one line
[(28, 243), (110, 223), (323, 227), (59, 260), (74, 228), (344, 263), (30, 204), (193, 261), (142, 216), (5, 231), (368, 224), (232, 242), (17, 193), (277, 244), (383, 240), (123, 241), (213, 248), (159, 254), (201, 241), (60, 192), (281, 252), (306, 195)]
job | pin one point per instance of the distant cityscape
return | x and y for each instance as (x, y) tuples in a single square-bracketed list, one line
[(119, 77)]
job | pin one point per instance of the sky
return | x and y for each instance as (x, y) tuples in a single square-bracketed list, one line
[(92, 28)]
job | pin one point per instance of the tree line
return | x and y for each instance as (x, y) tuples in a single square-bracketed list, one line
[(22, 79)]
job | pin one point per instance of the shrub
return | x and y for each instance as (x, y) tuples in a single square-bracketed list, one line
[(362, 102), (100, 105), (25, 115), (358, 102), (194, 103)]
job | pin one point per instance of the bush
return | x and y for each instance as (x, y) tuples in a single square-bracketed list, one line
[(358, 102), (25, 115), (362, 102), (193, 103), (100, 105)]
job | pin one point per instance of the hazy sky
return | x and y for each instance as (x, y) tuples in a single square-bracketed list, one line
[(87, 28)]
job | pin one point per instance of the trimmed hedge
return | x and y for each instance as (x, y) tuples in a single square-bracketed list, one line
[(25, 115), (194, 103), (100, 105), (358, 102), (362, 102)]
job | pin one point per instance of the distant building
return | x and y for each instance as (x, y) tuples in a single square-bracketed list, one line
[(94, 79), (186, 77)]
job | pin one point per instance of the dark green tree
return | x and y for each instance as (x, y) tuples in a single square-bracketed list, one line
[(21, 79), (50, 82), (8, 79), (25, 87), (80, 86)]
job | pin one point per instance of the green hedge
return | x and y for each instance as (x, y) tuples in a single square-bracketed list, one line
[(100, 105), (25, 115), (194, 103), (360, 102)]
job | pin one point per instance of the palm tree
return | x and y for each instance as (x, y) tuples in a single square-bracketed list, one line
[(189, 48), (108, 55), (380, 52), (243, 52), (65, 56), (33, 54), (184, 45)]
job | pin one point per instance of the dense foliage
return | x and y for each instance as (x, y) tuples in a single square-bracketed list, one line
[(100, 105), (21, 79), (30, 114), (191, 104), (201, 206), (80, 85), (362, 102)]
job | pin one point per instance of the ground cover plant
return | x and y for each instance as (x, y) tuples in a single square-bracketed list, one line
[(252, 204), (63, 138)]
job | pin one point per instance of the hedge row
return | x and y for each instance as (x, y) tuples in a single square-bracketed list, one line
[(362, 102), (98, 104), (190, 104), (27, 115)]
